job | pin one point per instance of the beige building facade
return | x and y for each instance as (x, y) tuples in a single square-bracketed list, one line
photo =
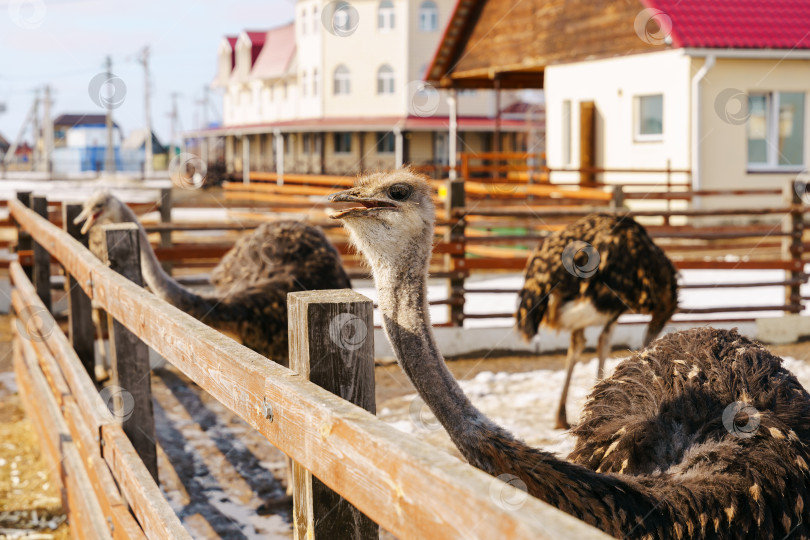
[(339, 91)]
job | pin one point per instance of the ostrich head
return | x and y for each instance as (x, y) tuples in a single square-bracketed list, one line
[(392, 219), (101, 205)]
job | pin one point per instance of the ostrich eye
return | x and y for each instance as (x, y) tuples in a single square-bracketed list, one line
[(399, 192)]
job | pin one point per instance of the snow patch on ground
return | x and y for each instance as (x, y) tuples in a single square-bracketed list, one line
[(524, 403)]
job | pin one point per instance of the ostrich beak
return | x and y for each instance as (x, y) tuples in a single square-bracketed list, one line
[(88, 217), (368, 204)]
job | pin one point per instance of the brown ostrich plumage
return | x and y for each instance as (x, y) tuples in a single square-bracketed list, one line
[(252, 280), (701, 435), (589, 274)]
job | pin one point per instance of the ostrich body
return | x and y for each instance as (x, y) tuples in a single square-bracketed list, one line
[(588, 274), (251, 282), (658, 454)]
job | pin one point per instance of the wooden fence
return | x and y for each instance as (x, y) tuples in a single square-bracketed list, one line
[(494, 226), (407, 487)]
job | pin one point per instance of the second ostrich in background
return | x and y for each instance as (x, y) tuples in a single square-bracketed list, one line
[(251, 281), (589, 274)]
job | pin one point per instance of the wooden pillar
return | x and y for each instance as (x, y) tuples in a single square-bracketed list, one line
[(246, 159), (399, 159), (129, 356), (42, 259), (80, 319), (406, 147), (793, 246), (331, 336), (496, 147), (166, 218), (587, 142), (279, 140), (323, 151), (362, 146), (452, 101), (24, 241), (456, 262)]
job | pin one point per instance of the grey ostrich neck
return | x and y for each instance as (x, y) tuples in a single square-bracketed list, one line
[(403, 301), (158, 280)]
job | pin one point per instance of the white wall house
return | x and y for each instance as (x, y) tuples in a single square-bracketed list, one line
[(340, 90)]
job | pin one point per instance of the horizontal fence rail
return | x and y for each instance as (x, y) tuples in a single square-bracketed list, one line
[(408, 487)]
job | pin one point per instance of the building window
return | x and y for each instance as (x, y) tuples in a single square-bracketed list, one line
[(304, 83), (386, 143), (342, 81), (566, 134), (776, 131), (428, 16), (305, 142), (315, 82), (385, 80), (343, 143), (303, 22), (315, 20), (385, 15), (649, 118)]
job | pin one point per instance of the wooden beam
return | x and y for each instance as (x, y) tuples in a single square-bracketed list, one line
[(24, 241), (129, 356), (42, 259), (80, 318), (331, 336)]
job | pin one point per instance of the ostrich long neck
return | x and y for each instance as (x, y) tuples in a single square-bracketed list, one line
[(163, 284), (570, 487)]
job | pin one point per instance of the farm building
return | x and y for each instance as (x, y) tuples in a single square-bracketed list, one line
[(702, 89), (312, 97), (80, 143)]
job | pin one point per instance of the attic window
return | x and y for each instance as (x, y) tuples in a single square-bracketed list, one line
[(385, 15), (428, 16)]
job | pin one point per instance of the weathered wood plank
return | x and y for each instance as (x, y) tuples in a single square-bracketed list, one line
[(80, 318), (42, 259), (139, 489), (88, 444), (144, 497), (24, 241), (403, 484), (129, 356), (24, 297), (331, 336), (84, 510)]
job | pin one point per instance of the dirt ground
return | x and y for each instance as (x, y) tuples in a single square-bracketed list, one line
[(222, 478)]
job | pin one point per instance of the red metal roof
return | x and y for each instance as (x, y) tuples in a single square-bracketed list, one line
[(257, 38), (375, 123), (277, 54), (738, 24)]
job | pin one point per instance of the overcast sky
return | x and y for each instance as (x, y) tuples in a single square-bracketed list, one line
[(64, 43)]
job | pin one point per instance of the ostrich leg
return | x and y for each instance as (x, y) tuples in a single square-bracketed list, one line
[(603, 349), (574, 350)]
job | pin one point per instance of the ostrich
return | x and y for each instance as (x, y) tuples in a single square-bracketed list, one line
[(590, 273), (251, 282), (701, 435)]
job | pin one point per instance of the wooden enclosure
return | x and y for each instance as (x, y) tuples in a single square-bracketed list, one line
[(406, 486)]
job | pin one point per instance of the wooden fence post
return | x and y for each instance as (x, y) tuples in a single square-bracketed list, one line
[(24, 241), (331, 336), (166, 217), (80, 319), (617, 201), (42, 259), (456, 262), (794, 246), (129, 356)]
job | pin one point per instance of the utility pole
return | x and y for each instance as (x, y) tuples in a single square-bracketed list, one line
[(149, 160), (109, 155), (35, 155), (47, 131), (204, 138), (173, 117)]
